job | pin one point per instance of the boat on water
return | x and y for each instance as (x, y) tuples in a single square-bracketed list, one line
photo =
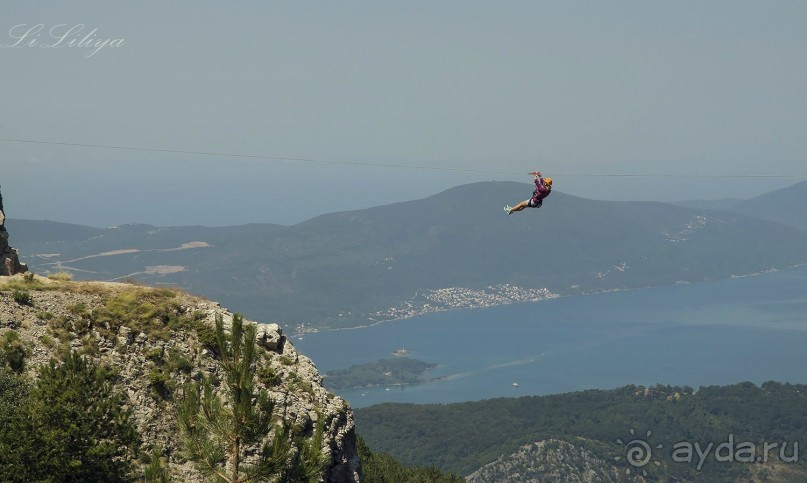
[(515, 384), (400, 352)]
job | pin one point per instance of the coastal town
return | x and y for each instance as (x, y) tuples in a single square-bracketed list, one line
[(445, 299), (454, 298)]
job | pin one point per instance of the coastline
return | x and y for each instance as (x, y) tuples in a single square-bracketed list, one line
[(430, 309)]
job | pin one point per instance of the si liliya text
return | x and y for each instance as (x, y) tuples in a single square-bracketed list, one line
[(61, 36)]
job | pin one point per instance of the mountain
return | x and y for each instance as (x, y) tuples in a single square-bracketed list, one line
[(454, 249), (150, 343), (784, 206), (725, 204)]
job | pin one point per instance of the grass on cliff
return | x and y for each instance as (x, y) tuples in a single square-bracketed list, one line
[(156, 312), (56, 282)]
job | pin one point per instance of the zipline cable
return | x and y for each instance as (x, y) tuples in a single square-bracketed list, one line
[(385, 165)]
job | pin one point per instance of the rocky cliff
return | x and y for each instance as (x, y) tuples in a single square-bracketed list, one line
[(9, 260), (552, 460), (156, 340)]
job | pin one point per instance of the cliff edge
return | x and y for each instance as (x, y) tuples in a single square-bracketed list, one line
[(157, 340), (9, 258)]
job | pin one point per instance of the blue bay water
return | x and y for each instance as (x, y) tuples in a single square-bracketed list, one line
[(743, 329)]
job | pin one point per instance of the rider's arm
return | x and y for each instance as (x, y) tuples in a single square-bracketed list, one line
[(539, 181)]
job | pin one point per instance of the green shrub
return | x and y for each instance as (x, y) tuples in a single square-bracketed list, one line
[(62, 328), (13, 351), (160, 383), (89, 346), (297, 383), (79, 309), (156, 469), (177, 362), (47, 341), (269, 377), (155, 355), (207, 337), (23, 297)]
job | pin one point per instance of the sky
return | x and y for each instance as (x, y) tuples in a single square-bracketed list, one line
[(477, 89)]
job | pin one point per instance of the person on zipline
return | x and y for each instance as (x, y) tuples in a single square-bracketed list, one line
[(543, 186)]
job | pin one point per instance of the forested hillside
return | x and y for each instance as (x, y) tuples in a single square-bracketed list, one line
[(463, 437)]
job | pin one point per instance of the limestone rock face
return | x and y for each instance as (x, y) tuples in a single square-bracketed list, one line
[(9, 259), (552, 460), (269, 336), (136, 349)]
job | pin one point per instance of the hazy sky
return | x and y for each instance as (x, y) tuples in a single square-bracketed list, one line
[(567, 87)]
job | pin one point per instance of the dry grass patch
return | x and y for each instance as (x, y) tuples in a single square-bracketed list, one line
[(60, 276)]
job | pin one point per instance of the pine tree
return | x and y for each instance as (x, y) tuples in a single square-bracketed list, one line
[(14, 432), (155, 470), (217, 432), (309, 462), (81, 425)]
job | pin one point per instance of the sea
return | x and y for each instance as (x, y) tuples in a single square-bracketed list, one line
[(751, 328)]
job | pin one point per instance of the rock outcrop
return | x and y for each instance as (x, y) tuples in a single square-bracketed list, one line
[(9, 259), (552, 460), (104, 321)]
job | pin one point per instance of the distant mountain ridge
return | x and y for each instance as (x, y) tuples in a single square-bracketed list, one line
[(449, 250), (784, 206)]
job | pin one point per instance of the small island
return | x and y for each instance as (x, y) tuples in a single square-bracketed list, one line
[(385, 372)]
